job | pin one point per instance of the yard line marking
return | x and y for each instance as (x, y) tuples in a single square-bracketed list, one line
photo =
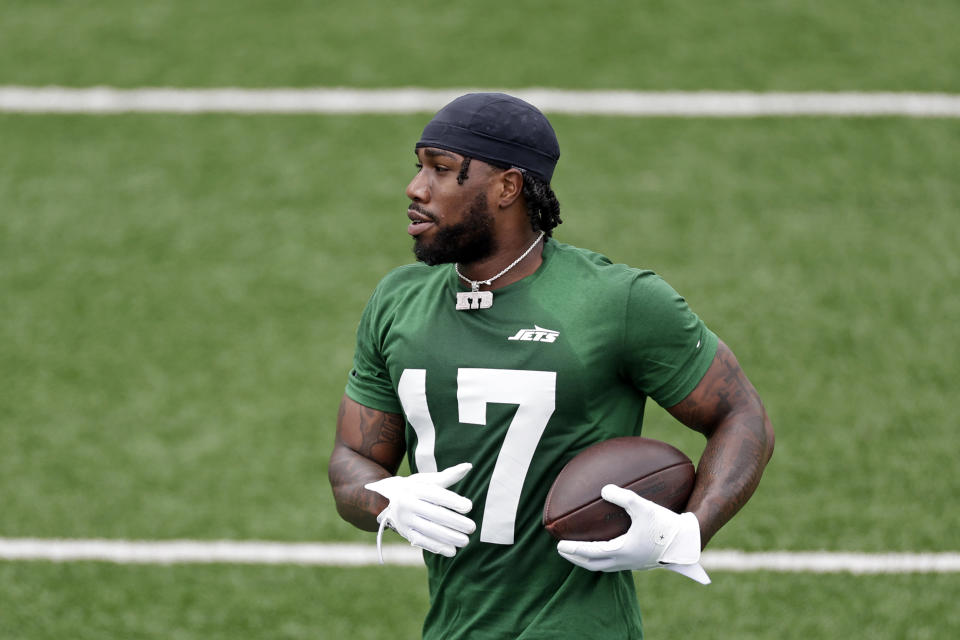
[(832, 562), (334, 100), (197, 551), (353, 555)]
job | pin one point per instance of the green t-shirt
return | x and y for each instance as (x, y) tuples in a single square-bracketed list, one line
[(564, 358)]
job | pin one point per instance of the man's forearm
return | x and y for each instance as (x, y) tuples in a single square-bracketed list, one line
[(729, 470), (727, 410), (348, 474), (369, 447)]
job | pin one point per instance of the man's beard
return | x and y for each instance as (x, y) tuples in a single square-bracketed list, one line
[(465, 242)]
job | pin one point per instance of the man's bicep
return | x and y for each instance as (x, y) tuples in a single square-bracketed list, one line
[(375, 435), (723, 391)]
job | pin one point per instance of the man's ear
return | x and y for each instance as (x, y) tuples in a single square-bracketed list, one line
[(511, 187)]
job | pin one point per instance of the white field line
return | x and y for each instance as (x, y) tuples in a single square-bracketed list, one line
[(107, 100), (199, 552), (348, 555)]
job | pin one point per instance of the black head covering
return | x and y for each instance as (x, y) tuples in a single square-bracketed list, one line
[(496, 128)]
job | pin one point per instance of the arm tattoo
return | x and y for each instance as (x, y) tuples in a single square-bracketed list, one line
[(370, 445), (381, 436), (727, 410)]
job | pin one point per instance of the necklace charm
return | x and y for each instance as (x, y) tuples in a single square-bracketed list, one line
[(469, 300), (476, 299)]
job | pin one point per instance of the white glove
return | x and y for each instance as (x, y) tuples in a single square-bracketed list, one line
[(657, 537), (424, 511)]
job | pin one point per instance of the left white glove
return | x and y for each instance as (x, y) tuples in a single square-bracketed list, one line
[(424, 511), (657, 537)]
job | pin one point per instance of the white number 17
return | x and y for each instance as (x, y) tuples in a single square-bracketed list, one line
[(535, 394)]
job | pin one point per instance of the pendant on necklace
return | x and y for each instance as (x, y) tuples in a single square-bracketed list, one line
[(470, 300), (476, 299)]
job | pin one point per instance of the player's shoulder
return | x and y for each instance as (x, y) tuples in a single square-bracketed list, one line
[(414, 272), (596, 269), (401, 282), (568, 253)]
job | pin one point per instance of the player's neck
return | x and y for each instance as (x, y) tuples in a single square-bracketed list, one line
[(490, 267)]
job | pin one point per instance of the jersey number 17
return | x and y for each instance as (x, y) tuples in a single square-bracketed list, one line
[(534, 393)]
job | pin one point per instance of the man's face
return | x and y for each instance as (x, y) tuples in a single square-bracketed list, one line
[(450, 222)]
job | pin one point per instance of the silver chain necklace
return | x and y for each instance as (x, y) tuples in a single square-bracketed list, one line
[(476, 299)]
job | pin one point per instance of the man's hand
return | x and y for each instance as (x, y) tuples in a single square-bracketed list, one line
[(424, 511), (657, 537)]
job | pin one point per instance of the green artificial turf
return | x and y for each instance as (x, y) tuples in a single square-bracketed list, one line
[(653, 44), (94, 601), (181, 294), (178, 294)]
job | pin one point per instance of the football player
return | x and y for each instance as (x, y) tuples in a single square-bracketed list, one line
[(500, 355)]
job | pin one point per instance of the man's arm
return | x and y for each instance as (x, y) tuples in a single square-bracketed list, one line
[(369, 446), (727, 409)]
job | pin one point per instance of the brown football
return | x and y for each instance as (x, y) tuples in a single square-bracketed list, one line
[(655, 470)]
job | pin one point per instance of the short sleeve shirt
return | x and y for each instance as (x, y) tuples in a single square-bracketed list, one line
[(564, 358)]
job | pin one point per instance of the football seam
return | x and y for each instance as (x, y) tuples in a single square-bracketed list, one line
[(593, 502)]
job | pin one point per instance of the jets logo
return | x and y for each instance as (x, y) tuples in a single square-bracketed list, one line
[(537, 334)]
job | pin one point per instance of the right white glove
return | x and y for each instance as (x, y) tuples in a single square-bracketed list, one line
[(658, 537), (424, 511)]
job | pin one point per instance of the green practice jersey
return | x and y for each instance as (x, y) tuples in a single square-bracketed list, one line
[(564, 358)]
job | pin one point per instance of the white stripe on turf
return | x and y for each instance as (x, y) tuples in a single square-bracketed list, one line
[(201, 551), (346, 555), (832, 562), (103, 100)]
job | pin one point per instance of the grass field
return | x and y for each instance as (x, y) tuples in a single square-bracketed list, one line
[(93, 601), (179, 295), (652, 44)]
